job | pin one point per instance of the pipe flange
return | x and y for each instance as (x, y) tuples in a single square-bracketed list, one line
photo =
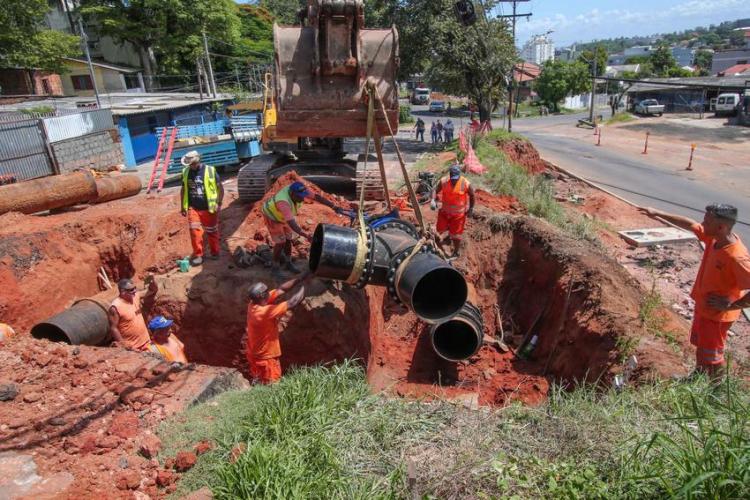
[(393, 269), (401, 225), (369, 260)]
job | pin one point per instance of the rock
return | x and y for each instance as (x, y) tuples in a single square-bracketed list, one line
[(8, 392), (139, 495), (56, 421), (125, 425), (184, 461), (150, 446), (201, 494), (32, 397), (80, 363), (127, 480), (108, 442), (237, 452), (43, 359), (123, 462), (164, 478), (17, 423), (203, 447), (19, 478), (137, 396)]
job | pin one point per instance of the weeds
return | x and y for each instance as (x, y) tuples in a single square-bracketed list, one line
[(404, 114), (620, 118), (652, 316)]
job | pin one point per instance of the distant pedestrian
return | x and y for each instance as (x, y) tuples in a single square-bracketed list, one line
[(420, 127), (440, 130), (449, 130), (433, 133)]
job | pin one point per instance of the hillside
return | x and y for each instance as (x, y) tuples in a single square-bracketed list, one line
[(715, 37)]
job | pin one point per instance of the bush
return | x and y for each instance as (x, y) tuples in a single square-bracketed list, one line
[(404, 114)]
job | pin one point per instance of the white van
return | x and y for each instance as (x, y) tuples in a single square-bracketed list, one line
[(726, 104)]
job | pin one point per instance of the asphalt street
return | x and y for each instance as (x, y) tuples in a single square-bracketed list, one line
[(637, 180)]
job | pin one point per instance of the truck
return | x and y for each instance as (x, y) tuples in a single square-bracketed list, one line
[(649, 107), (726, 105), (420, 95)]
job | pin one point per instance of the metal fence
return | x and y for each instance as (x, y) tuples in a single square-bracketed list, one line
[(23, 150), (25, 143)]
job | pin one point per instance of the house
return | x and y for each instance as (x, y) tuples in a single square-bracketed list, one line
[(524, 75), (538, 49), (684, 56), (725, 59), (109, 78), (617, 70), (638, 50), (616, 59), (17, 81), (736, 70)]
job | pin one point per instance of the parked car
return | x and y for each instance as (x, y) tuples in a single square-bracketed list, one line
[(420, 95), (649, 107), (726, 104), (437, 107)]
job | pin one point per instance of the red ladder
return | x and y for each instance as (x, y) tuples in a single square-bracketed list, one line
[(167, 141)]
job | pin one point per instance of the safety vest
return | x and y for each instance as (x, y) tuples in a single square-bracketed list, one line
[(455, 197), (209, 184), (270, 209)]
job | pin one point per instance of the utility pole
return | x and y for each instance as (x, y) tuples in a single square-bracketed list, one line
[(200, 77), (593, 90), (513, 18), (85, 40), (210, 68)]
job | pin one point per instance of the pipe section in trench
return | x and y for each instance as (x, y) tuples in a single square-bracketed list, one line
[(86, 322), (389, 255)]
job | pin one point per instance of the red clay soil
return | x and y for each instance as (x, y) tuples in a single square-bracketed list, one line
[(90, 411), (523, 153)]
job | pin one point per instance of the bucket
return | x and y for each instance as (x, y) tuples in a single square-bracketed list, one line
[(184, 265)]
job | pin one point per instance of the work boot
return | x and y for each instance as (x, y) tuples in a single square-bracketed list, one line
[(196, 261), (214, 256)]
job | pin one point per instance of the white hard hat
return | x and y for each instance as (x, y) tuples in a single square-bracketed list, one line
[(190, 157)]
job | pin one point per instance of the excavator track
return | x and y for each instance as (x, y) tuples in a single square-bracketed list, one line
[(252, 181)]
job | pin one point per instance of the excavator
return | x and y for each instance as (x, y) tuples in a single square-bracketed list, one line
[(324, 72)]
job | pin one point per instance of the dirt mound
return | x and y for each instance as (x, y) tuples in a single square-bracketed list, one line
[(503, 204), (523, 153), (88, 411)]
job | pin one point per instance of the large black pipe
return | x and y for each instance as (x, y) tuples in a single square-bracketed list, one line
[(460, 337), (85, 322), (388, 256)]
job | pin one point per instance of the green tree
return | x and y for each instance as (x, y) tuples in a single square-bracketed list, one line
[(284, 11), (25, 43), (256, 30), (559, 79), (167, 34), (704, 60), (598, 54), (737, 38), (662, 60)]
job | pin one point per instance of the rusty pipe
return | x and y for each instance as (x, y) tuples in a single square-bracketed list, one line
[(48, 193), (116, 187), (85, 322)]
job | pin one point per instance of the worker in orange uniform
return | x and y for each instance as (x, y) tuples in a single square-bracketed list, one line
[(457, 195), (718, 291), (266, 307), (126, 324), (279, 213), (164, 343), (201, 198)]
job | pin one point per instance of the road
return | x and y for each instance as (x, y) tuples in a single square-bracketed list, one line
[(640, 181)]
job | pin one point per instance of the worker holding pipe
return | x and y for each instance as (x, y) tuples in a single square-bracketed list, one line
[(201, 196), (126, 324), (164, 343), (719, 289), (279, 213), (263, 348), (457, 195)]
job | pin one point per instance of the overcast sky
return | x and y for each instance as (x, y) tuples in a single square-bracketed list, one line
[(587, 20)]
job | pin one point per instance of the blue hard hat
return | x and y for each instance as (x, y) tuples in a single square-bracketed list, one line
[(455, 171), (299, 189), (159, 322)]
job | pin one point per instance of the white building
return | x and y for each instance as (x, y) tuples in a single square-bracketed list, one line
[(538, 50), (639, 50)]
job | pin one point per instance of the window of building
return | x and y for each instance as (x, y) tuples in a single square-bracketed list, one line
[(82, 82)]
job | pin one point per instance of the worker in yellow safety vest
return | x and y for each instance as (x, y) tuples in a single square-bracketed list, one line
[(201, 198), (279, 214)]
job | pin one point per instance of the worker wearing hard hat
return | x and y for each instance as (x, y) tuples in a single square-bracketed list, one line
[(164, 343), (201, 198), (266, 307), (457, 195), (279, 213)]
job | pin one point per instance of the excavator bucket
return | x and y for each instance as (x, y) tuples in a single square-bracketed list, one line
[(322, 70)]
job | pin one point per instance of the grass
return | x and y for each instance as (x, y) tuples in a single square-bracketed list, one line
[(535, 192), (620, 118), (652, 316), (37, 110), (320, 433)]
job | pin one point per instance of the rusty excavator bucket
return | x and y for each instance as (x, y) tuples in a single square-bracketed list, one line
[(322, 69)]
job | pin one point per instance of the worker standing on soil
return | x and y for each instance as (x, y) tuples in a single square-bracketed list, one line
[(457, 195), (723, 275), (263, 348), (126, 323), (164, 343), (202, 196), (420, 127), (279, 213)]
